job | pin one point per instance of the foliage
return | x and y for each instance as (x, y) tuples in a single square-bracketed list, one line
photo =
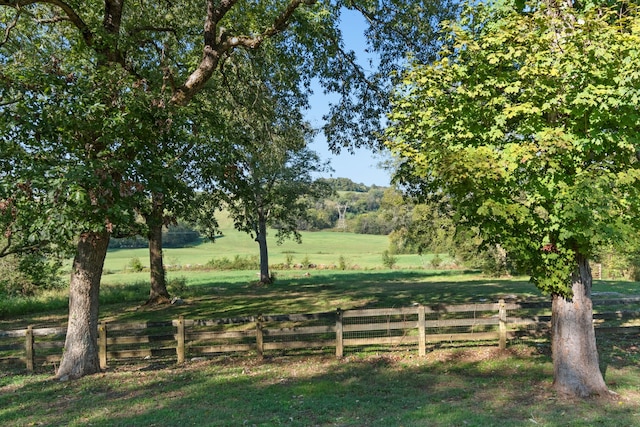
[(528, 124), (344, 184), (342, 262), (29, 274), (237, 263), (388, 259), (135, 265), (173, 236), (436, 261), (177, 286)]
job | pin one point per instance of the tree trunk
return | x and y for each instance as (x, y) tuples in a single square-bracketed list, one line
[(261, 238), (80, 356), (158, 293), (575, 356)]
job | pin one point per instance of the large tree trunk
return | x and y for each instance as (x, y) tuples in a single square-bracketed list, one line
[(575, 356), (80, 356), (158, 293), (261, 238)]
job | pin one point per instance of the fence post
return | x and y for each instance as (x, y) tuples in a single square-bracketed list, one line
[(102, 344), (422, 342), (502, 317), (180, 349), (29, 349), (259, 337), (339, 344)]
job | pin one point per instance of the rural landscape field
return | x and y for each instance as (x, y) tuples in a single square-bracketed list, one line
[(161, 160), (476, 385)]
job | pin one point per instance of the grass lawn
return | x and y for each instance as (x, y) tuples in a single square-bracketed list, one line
[(460, 387), (464, 386), (360, 251)]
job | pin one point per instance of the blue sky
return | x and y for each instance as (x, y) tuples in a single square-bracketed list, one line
[(362, 166)]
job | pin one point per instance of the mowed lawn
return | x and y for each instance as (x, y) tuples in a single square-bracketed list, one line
[(323, 248), (462, 386)]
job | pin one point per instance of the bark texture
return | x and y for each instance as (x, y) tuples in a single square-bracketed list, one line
[(158, 293), (80, 356), (261, 238), (575, 356)]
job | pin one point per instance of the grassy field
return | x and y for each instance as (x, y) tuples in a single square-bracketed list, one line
[(323, 247), (460, 387), (465, 386)]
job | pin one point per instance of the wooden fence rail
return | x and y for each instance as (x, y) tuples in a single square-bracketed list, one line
[(414, 326)]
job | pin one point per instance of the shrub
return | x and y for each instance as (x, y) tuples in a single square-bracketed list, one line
[(388, 259), (135, 265), (342, 263), (238, 263), (177, 285), (305, 261), (436, 261), (289, 260), (26, 275)]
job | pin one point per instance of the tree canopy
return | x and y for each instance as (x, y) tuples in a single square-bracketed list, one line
[(87, 88), (528, 124)]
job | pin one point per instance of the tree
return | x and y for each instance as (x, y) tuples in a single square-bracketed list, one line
[(271, 187), (528, 123), (167, 190), (83, 87), (267, 178), (84, 90)]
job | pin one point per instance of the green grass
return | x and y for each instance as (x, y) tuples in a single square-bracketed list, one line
[(323, 247), (466, 386), (463, 387), (219, 294)]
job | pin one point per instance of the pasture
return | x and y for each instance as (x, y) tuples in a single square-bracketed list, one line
[(460, 386)]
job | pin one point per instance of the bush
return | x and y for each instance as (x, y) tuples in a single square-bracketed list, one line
[(177, 285), (238, 263), (388, 259), (306, 262), (436, 261), (342, 263), (26, 275), (136, 265), (289, 260)]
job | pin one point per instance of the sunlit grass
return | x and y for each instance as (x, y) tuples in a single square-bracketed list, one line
[(460, 387)]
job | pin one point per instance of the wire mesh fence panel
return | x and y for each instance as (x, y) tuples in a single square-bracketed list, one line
[(302, 332), (529, 322), (209, 337), (12, 348), (391, 328), (448, 325), (140, 341)]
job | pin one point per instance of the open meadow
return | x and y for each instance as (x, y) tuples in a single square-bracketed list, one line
[(451, 386)]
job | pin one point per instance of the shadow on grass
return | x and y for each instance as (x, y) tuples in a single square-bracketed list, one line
[(477, 387), (328, 291)]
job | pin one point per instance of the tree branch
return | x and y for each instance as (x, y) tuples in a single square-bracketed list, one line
[(74, 18), (11, 26), (217, 42)]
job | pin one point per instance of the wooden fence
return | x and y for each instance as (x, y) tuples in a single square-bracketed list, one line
[(408, 327)]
